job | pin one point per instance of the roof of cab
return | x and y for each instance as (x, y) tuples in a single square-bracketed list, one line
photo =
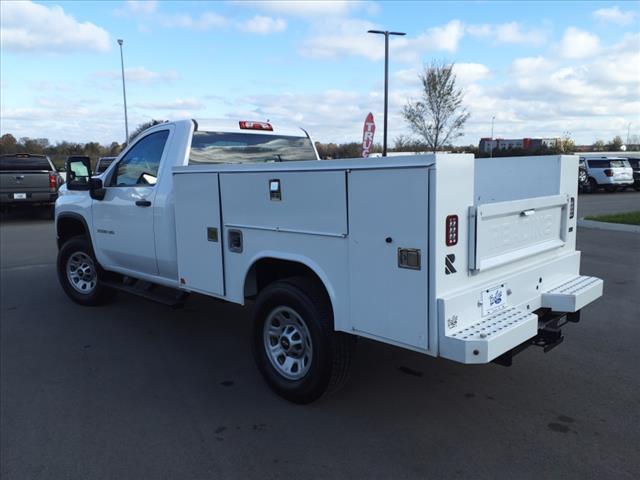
[(228, 125)]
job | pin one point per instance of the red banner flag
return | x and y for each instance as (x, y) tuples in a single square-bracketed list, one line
[(367, 134)]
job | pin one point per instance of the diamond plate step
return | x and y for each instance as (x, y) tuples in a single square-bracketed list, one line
[(489, 338), (572, 294)]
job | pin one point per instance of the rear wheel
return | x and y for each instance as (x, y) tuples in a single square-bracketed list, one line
[(295, 346), (593, 185), (80, 275)]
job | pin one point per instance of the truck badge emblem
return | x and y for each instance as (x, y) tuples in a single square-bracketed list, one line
[(448, 264)]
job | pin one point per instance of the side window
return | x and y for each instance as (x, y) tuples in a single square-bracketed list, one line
[(140, 165)]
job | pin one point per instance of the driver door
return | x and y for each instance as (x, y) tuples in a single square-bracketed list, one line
[(123, 221)]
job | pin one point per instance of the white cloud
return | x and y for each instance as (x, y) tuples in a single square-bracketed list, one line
[(31, 27), (263, 25), (311, 8), (578, 43), (179, 104), (344, 37), (445, 38), (142, 6), (509, 33), (139, 75), (350, 37), (615, 15), (205, 21), (466, 74)]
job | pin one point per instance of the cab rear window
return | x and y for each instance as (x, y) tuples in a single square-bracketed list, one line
[(24, 163), (224, 147)]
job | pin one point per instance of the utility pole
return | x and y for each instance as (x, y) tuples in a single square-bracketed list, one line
[(124, 95), (386, 82)]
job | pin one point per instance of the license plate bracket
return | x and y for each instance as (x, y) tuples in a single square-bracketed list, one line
[(494, 299)]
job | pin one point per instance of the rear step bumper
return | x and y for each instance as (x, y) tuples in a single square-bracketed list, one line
[(573, 294), (500, 333)]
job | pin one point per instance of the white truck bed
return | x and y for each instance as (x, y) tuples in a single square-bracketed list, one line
[(374, 231)]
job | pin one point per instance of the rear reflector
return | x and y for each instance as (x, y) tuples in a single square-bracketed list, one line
[(572, 207), (451, 230), (255, 126)]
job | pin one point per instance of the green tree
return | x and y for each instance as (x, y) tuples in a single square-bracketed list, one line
[(8, 144), (598, 146), (615, 144), (438, 116)]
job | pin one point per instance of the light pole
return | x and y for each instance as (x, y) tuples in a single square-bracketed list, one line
[(386, 82), (491, 144), (124, 95)]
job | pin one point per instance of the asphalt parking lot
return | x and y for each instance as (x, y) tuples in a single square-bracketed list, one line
[(135, 390)]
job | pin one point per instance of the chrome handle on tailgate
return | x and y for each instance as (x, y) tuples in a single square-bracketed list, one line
[(528, 213)]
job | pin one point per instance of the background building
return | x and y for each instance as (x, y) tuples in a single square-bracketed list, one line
[(530, 144)]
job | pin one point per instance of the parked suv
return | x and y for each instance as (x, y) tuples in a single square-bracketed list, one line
[(635, 165), (610, 173)]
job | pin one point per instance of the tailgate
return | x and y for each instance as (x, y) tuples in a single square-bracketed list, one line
[(504, 232), (24, 181)]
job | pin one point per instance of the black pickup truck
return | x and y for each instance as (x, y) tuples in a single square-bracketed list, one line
[(27, 179)]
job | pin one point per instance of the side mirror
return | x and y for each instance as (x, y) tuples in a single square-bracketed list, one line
[(96, 189), (78, 173)]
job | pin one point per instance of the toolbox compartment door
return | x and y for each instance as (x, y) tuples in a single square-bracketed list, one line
[(198, 233), (505, 232)]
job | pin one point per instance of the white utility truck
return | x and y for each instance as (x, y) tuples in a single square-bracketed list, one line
[(447, 255)]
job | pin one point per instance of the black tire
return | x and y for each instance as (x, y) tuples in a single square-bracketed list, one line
[(97, 295), (331, 351), (593, 185)]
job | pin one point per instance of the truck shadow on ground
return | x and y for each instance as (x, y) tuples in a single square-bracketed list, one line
[(26, 214)]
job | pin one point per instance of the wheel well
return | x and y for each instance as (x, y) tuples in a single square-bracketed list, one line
[(68, 227), (268, 270)]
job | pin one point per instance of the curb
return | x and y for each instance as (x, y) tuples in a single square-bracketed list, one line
[(617, 227)]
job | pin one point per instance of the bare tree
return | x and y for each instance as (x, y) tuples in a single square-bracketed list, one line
[(438, 116)]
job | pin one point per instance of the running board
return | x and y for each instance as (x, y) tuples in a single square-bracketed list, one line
[(169, 297), (572, 294), (487, 339)]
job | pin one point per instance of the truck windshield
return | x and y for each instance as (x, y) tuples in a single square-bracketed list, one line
[(224, 147), (24, 163)]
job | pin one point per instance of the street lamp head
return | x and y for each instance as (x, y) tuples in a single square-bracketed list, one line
[(377, 31), (120, 41), (397, 33)]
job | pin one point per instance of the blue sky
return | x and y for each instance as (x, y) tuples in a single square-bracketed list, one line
[(542, 68)]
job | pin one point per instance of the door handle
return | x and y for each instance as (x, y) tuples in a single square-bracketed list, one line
[(143, 203)]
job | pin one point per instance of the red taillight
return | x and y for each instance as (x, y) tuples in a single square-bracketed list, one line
[(245, 125), (572, 207), (53, 181), (451, 233), (608, 172)]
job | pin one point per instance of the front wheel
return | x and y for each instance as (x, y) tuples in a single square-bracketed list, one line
[(295, 346), (80, 275)]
